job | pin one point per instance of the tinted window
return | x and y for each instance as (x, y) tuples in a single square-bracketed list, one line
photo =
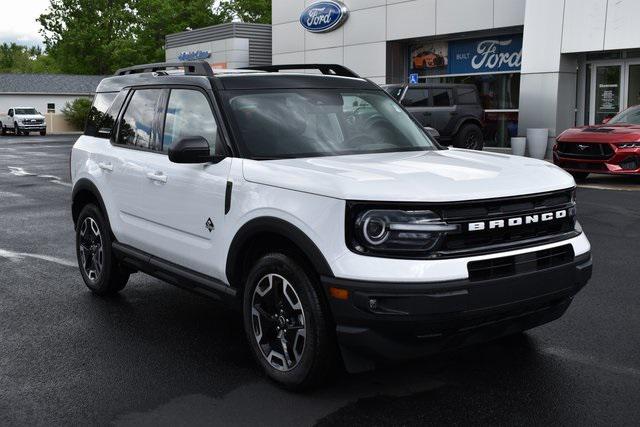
[(466, 95), (441, 97), (26, 111), (417, 97), (98, 120), (189, 114), (136, 125)]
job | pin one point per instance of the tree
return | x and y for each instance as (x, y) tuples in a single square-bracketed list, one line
[(257, 11), (15, 58), (89, 36), (76, 112)]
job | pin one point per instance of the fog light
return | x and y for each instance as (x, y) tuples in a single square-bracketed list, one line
[(373, 304)]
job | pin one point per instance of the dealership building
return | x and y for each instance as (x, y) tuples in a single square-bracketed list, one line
[(537, 63)]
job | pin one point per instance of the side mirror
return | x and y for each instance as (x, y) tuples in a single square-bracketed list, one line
[(606, 120), (432, 132), (191, 149)]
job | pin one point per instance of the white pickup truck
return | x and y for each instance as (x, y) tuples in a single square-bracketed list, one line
[(22, 120)]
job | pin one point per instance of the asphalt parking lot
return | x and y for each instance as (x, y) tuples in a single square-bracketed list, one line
[(156, 355)]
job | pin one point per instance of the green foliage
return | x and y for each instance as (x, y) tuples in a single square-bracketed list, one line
[(100, 36), (15, 58), (76, 112), (258, 11)]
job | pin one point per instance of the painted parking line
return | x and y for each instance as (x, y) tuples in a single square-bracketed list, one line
[(18, 171), (20, 256), (613, 187)]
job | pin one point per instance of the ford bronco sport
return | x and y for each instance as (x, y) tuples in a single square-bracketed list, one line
[(322, 210)]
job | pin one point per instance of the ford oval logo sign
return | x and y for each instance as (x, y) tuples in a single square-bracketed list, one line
[(324, 16)]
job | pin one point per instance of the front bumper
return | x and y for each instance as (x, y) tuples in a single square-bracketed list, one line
[(32, 128), (621, 162), (410, 320)]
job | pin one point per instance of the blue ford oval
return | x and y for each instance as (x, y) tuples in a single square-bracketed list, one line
[(324, 16)]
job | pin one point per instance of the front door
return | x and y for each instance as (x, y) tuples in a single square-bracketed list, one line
[(184, 204)]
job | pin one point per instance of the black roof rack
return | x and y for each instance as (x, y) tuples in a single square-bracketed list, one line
[(328, 69), (192, 68)]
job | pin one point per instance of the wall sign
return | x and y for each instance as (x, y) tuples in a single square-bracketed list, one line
[(324, 16), (485, 55), (194, 55)]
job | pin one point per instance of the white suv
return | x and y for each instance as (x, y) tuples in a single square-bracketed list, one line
[(320, 208)]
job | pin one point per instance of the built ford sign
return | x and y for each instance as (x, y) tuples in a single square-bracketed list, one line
[(485, 55), (324, 16)]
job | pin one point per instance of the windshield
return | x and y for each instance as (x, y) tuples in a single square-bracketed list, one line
[(630, 116), (26, 111), (290, 123)]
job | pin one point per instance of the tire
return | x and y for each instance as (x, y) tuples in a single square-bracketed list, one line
[(579, 176), (469, 136), (280, 293), (25, 132), (16, 129), (100, 272), (43, 132), (3, 130)]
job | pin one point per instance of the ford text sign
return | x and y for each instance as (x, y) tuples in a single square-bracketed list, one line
[(324, 16), (486, 55), (194, 56)]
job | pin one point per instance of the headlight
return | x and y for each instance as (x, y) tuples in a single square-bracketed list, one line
[(397, 232)]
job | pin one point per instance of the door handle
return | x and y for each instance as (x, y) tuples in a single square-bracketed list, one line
[(106, 166), (157, 176)]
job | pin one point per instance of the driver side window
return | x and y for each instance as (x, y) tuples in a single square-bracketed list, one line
[(189, 114)]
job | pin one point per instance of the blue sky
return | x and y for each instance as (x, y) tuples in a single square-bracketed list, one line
[(18, 21)]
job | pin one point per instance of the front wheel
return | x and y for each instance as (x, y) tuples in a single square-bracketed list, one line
[(100, 271), (25, 132), (43, 132), (287, 327), (16, 129), (470, 137)]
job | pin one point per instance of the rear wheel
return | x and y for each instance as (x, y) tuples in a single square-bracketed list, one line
[(579, 176), (3, 130), (470, 137), (100, 271), (288, 329)]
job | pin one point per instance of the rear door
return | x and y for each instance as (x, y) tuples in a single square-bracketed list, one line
[(443, 112), (134, 145), (184, 204)]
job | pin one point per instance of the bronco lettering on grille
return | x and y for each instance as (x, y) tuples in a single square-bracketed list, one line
[(517, 221)]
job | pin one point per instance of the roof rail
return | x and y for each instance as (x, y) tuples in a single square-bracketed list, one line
[(193, 68), (328, 69)]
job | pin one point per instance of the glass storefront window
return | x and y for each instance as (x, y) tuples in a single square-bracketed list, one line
[(497, 91)]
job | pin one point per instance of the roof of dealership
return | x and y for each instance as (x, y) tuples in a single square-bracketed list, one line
[(63, 84)]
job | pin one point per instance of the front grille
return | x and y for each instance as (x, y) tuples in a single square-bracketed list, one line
[(571, 164), (520, 264), (586, 150), (504, 237)]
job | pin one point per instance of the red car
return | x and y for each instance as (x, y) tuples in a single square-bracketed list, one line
[(611, 148)]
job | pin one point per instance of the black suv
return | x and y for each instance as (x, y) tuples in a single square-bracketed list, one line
[(454, 110)]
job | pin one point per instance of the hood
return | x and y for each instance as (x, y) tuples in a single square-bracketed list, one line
[(602, 133), (431, 176)]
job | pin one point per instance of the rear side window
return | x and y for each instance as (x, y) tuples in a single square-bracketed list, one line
[(137, 123), (98, 119), (441, 97), (416, 97), (466, 95), (189, 114)]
